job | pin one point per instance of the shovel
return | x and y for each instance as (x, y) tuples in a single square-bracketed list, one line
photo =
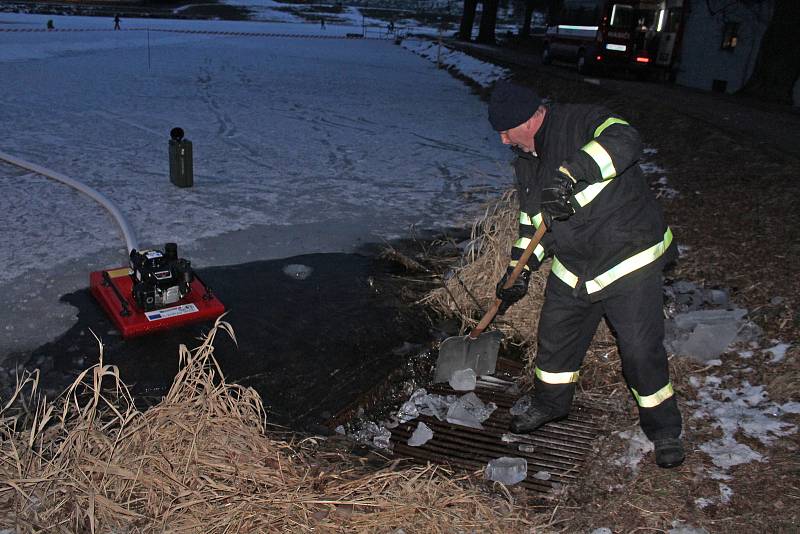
[(476, 350)]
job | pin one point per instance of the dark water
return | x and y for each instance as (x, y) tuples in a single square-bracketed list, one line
[(309, 347)]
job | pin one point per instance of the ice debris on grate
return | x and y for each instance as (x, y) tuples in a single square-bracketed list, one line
[(463, 380), (467, 410), (423, 403), (422, 434), (506, 470), (470, 411), (371, 433)]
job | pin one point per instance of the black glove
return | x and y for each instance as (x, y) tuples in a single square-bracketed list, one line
[(555, 198), (517, 290)]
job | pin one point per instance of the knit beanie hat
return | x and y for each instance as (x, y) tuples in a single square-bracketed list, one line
[(510, 105)]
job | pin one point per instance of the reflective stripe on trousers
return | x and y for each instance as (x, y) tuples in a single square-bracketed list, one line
[(651, 401), (568, 377), (623, 268)]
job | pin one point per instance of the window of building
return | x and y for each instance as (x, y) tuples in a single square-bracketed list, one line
[(730, 35)]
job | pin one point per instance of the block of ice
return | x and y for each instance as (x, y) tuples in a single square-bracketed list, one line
[(437, 406), (421, 435), (463, 380), (704, 334), (506, 470), (408, 411), (469, 410), (542, 475)]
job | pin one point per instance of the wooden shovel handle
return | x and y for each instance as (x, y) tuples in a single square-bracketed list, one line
[(523, 260)]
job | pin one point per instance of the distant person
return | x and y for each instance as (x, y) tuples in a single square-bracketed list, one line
[(577, 173), (116, 22), (322, 23), (50, 25)]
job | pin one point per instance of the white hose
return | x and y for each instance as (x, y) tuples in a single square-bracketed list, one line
[(130, 237)]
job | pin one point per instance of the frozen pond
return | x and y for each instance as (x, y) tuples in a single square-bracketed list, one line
[(301, 145)]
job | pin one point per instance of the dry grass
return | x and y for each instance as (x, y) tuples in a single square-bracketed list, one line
[(202, 461), (470, 289)]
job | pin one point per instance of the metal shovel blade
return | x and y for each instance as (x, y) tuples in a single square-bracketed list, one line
[(465, 352)]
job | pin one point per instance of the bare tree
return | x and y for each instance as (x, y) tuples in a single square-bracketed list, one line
[(777, 67), (467, 20), (488, 22), (525, 31)]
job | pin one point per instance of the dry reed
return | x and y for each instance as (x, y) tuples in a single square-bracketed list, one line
[(468, 292), (202, 461)]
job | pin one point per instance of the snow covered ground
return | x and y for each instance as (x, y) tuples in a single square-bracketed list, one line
[(300, 145)]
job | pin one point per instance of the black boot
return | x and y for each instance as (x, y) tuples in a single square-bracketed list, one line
[(669, 452), (533, 418)]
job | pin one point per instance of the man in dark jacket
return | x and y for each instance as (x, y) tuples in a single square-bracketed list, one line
[(577, 172)]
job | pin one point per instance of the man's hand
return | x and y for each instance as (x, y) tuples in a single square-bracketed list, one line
[(555, 198), (517, 290)]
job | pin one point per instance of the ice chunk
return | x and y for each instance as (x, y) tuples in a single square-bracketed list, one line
[(437, 406), (421, 435), (470, 411), (689, 320), (506, 470), (297, 271), (382, 439), (778, 352), (725, 493), (602, 530), (704, 334), (687, 530), (791, 407), (408, 411), (463, 380), (702, 502), (463, 352), (524, 447), (727, 452), (371, 432), (521, 406), (542, 475), (717, 297)]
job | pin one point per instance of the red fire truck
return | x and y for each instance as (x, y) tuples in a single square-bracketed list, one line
[(636, 35)]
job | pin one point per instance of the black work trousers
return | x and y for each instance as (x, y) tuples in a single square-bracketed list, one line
[(635, 312)]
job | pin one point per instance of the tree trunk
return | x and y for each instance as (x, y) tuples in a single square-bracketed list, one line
[(525, 31), (488, 22), (777, 66), (467, 20)]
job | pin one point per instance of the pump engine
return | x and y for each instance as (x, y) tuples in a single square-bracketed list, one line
[(159, 278)]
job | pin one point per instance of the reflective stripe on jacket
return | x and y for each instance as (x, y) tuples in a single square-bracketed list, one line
[(618, 223)]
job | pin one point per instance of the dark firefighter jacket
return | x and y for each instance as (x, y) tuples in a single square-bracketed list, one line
[(618, 231)]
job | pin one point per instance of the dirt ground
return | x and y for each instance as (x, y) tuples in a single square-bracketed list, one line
[(736, 218)]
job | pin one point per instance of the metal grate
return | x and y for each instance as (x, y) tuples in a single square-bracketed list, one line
[(559, 448)]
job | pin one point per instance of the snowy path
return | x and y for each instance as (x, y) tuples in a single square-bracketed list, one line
[(301, 145)]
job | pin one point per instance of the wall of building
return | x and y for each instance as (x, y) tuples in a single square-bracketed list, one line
[(703, 60)]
